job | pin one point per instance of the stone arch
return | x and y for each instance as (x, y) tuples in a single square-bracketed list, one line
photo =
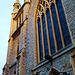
[(36, 15), (34, 20), (53, 71)]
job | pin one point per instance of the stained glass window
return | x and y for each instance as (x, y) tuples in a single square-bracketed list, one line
[(65, 30), (58, 37), (50, 32), (56, 26)]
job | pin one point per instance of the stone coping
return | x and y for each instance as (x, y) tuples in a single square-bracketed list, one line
[(54, 56), (13, 64)]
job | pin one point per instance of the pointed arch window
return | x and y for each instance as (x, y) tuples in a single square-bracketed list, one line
[(52, 29)]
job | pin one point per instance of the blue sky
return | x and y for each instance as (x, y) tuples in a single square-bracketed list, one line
[(6, 8)]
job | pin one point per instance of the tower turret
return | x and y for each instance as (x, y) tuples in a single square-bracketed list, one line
[(15, 10), (16, 6)]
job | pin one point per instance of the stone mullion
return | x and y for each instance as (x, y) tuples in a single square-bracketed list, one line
[(21, 18), (38, 42), (59, 25), (47, 34), (53, 30), (42, 37)]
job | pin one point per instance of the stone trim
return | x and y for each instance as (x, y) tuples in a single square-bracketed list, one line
[(13, 64), (64, 50), (56, 55), (21, 50), (17, 32)]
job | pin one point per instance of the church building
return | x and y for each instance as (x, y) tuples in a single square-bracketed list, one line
[(42, 38)]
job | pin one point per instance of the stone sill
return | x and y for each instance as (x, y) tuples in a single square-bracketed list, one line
[(54, 56)]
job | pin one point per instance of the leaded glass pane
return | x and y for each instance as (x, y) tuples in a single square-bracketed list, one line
[(56, 26), (65, 31), (50, 32)]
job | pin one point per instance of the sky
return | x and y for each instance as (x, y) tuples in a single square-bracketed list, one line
[(6, 8)]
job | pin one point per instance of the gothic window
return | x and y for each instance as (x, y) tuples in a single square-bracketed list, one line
[(52, 29)]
